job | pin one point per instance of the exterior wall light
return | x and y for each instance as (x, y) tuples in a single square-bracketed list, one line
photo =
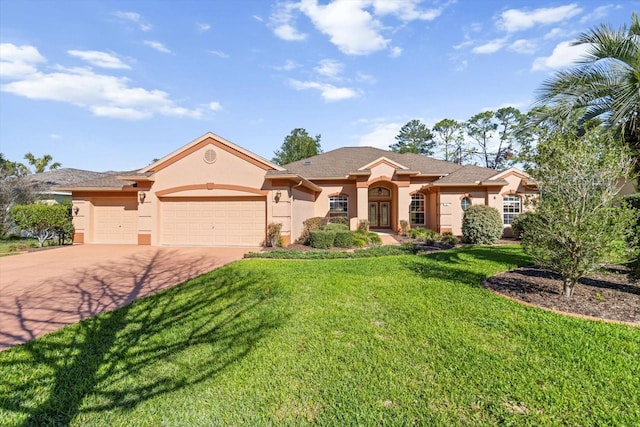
[(76, 209), (141, 196), (277, 196)]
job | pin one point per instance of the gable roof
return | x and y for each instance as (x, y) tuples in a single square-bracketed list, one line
[(341, 162), (107, 181), (469, 174), (207, 138)]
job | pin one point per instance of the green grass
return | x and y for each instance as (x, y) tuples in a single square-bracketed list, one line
[(397, 340)]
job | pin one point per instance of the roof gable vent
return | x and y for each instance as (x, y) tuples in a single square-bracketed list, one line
[(307, 162)]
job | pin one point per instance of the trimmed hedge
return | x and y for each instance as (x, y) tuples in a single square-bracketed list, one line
[(482, 225), (322, 239), (310, 225), (344, 239), (520, 223)]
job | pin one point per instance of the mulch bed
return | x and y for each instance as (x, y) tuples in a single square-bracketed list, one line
[(612, 294)]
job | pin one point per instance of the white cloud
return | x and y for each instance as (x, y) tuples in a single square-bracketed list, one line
[(282, 21), (215, 106), (19, 61), (349, 26), (598, 13), (328, 92), (366, 78), (54, 136), (462, 65), (257, 18), (157, 46), (381, 136), (395, 52), (100, 59), (203, 27), (489, 47), (563, 55), (134, 17), (219, 53), (556, 33), (330, 68), (102, 94), (405, 10), (513, 20), (526, 47), (288, 65)]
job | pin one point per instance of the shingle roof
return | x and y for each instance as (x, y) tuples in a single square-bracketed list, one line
[(46, 181), (107, 180), (469, 174), (342, 161)]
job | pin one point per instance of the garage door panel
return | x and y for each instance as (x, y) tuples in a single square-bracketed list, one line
[(115, 220), (212, 222)]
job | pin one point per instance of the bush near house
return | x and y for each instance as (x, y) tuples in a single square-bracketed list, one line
[(43, 222), (519, 224), (310, 225), (273, 234), (482, 225), (322, 239), (344, 239)]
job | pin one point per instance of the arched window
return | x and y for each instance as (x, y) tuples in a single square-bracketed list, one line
[(338, 206), (511, 206), (379, 192), (465, 203), (417, 210)]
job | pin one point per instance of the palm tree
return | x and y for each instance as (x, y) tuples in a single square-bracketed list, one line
[(40, 163), (605, 84)]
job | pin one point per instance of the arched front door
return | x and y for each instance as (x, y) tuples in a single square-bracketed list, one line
[(379, 207)]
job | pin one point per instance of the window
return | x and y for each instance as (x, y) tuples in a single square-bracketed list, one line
[(511, 206), (416, 211), (465, 203), (338, 206)]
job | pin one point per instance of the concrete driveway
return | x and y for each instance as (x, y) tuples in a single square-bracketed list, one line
[(45, 290)]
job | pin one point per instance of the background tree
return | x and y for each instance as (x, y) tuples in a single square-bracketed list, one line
[(297, 145), (13, 190), (481, 129), (40, 163), (41, 221), (449, 135), (605, 83), (414, 137), (509, 120), (577, 226)]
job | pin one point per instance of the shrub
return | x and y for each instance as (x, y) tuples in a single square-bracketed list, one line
[(363, 225), (519, 224), (417, 233), (343, 220), (273, 234), (360, 238), (449, 238), (344, 239), (41, 221), (322, 239), (482, 225), (335, 227), (308, 226), (374, 239), (404, 227)]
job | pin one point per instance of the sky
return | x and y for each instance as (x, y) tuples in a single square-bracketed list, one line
[(113, 85)]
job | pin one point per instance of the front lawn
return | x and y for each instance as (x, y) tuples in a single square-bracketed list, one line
[(398, 340)]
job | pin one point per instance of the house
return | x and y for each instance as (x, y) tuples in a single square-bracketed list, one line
[(213, 192)]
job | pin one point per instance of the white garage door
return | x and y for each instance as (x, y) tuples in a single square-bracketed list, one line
[(115, 220), (212, 222)]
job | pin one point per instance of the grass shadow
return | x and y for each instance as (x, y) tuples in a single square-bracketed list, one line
[(157, 345)]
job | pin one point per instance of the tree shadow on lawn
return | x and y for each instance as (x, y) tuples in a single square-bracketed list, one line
[(157, 345), (459, 265)]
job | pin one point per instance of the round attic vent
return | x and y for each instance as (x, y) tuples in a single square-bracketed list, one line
[(210, 156)]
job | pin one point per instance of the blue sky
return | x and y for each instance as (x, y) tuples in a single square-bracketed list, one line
[(111, 85)]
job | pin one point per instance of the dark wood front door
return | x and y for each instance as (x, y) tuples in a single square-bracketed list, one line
[(379, 214)]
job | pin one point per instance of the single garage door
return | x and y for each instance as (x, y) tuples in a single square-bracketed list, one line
[(213, 222), (115, 220)]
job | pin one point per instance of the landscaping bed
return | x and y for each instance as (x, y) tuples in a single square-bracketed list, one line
[(612, 294)]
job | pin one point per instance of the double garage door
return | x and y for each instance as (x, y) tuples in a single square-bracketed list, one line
[(212, 222)]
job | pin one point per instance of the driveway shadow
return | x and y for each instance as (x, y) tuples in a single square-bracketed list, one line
[(119, 359)]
